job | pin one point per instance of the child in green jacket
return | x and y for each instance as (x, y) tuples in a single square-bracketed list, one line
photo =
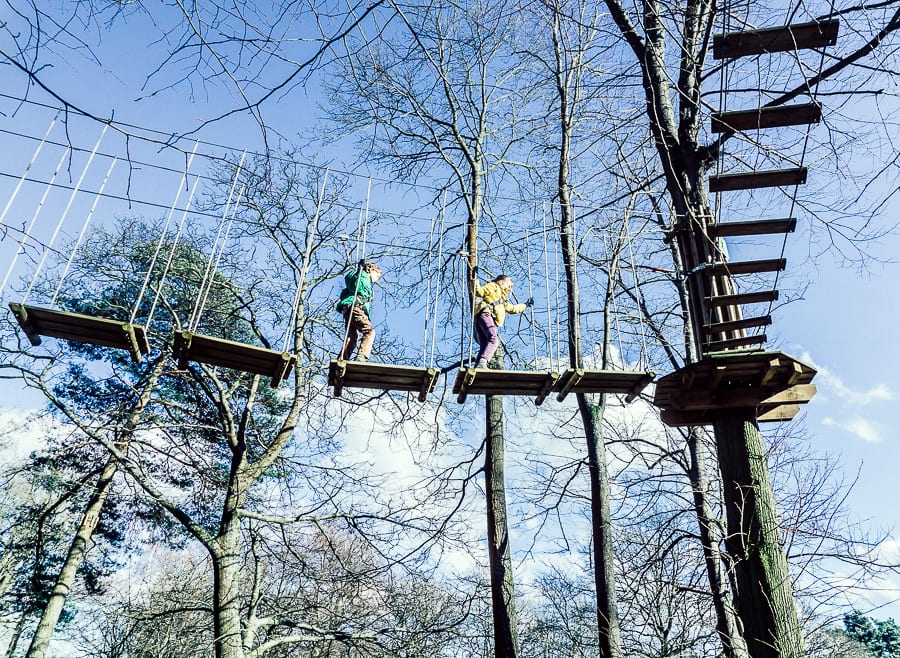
[(354, 305)]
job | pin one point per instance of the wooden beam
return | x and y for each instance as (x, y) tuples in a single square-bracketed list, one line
[(751, 227), (815, 34), (737, 325), (753, 180), (747, 267), (766, 117), (733, 343), (742, 298), (778, 414)]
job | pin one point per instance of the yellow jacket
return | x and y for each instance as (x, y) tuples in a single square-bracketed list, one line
[(493, 298)]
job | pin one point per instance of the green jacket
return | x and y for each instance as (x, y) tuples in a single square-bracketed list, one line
[(358, 284)]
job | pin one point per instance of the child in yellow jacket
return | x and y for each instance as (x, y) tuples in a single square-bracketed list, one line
[(490, 312)]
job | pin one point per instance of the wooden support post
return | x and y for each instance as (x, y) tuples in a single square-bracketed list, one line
[(571, 377), (25, 322), (428, 383), (339, 373), (640, 386), (545, 389), (468, 377)]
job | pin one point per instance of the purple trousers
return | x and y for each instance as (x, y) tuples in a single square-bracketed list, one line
[(486, 333)]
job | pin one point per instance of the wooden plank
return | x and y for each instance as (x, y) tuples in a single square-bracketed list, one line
[(80, 328), (743, 298), (732, 343), (470, 381), (385, 376), (615, 382), (737, 325), (752, 227), (778, 414), (753, 180), (815, 34), (220, 352), (747, 267), (766, 117)]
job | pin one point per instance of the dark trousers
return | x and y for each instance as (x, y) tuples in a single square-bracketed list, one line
[(486, 333), (358, 324)]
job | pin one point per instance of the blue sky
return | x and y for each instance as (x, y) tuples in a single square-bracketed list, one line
[(845, 324)]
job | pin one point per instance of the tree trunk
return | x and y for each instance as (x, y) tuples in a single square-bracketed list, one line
[(503, 595), (226, 590), (733, 645), (64, 581), (765, 599)]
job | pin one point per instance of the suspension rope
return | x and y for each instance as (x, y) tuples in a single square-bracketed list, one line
[(215, 267), (307, 257), (237, 173), (82, 233), (547, 283), (440, 258), (65, 213), (644, 358), (172, 251), (531, 296), (556, 296), (31, 162), (429, 270), (162, 235), (27, 235)]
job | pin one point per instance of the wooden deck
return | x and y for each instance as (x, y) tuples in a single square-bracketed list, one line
[(358, 374), (36, 322), (230, 354), (772, 383)]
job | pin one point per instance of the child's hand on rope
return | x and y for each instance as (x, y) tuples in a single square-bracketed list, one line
[(529, 302)]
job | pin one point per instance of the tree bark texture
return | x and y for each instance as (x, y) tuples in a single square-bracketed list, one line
[(733, 645), (506, 644), (40, 641), (765, 598)]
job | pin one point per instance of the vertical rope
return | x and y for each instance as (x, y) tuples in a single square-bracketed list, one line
[(162, 235), (645, 354), (429, 270), (83, 231), (165, 272), (34, 218), (31, 162), (556, 296), (215, 268), (547, 283), (362, 229), (438, 283), (531, 296), (237, 173), (65, 213)]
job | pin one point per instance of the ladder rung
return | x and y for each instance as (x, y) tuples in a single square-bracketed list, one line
[(766, 117), (752, 227), (748, 266), (776, 39), (743, 298), (734, 343), (737, 325), (756, 179)]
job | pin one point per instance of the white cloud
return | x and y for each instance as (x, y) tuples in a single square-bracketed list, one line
[(860, 427), (830, 383)]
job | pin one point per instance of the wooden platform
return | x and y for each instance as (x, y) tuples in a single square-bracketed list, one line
[(388, 377), (736, 267), (629, 384), (766, 117), (754, 180), (772, 383), (733, 343), (816, 34), (37, 322), (483, 381), (230, 354)]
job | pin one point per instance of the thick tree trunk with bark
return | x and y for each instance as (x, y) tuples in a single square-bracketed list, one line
[(506, 644), (89, 520), (765, 598)]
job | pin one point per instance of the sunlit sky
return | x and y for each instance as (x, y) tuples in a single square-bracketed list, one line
[(845, 325)]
